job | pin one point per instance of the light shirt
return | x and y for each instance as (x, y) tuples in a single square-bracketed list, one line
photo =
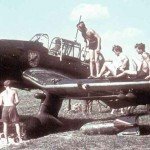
[(120, 61)]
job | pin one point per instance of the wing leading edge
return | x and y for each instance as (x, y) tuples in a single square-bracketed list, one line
[(61, 84)]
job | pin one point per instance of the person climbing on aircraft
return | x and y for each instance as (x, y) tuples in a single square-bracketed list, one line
[(9, 100), (93, 43), (138, 70), (112, 67)]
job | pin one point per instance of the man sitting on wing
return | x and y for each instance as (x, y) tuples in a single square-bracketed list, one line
[(141, 70), (112, 67)]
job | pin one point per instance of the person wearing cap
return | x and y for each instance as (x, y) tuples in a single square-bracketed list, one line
[(9, 99), (112, 67), (93, 43)]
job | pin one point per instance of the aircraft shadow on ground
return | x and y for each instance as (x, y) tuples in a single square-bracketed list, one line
[(74, 124), (31, 126)]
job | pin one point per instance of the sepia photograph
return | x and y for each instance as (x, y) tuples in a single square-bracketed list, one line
[(74, 75)]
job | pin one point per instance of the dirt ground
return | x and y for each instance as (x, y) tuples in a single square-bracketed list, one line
[(70, 137)]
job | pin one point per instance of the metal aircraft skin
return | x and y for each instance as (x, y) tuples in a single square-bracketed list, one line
[(61, 71)]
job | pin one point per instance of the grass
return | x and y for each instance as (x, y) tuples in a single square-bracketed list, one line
[(70, 137)]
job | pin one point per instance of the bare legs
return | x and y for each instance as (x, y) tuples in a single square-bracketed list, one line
[(91, 68), (112, 69), (104, 68), (126, 72), (18, 131), (94, 62), (109, 67), (5, 131)]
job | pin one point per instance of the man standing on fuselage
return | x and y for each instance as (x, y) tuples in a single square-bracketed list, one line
[(93, 43)]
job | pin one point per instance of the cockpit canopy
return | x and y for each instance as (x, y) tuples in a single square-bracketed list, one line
[(61, 47)]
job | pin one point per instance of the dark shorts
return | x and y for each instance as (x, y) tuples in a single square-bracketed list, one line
[(141, 74), (10, 114), (93, 45)]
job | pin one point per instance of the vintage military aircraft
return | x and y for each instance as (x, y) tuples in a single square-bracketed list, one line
[(61, 70)]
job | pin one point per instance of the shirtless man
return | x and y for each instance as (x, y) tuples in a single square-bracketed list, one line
[(9, 100), (145, 59), (141, 70), (93, 43)]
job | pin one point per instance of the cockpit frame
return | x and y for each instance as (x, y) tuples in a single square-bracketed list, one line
[(61, 47)]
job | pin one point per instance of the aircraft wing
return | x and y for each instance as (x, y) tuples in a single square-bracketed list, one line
[(117, 85), (61, 84), (55, 82), (50, 80), (90, 89)]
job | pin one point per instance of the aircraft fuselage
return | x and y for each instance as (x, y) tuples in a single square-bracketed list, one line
[(17, 56)]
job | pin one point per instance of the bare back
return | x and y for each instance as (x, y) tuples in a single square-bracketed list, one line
[(9, 97)]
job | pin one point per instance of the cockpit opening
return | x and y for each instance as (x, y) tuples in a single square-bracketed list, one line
[(61, 47)]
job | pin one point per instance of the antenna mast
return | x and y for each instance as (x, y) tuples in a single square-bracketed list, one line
[(77, 30)]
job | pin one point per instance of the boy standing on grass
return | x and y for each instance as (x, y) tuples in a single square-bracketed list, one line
[(9, 100)]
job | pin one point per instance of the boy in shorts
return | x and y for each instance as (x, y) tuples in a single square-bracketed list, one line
[(9, 100), (93, 43)]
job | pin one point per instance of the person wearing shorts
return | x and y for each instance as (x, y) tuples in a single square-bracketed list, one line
[(9, 100), (10, 114), (93, 43)]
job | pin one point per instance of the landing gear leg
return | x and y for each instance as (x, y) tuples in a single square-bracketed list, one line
[(46, 119)]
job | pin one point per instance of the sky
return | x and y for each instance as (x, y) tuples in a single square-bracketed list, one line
[(118, 22)]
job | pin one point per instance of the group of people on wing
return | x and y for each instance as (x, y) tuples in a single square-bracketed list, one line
[(124, 67)]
